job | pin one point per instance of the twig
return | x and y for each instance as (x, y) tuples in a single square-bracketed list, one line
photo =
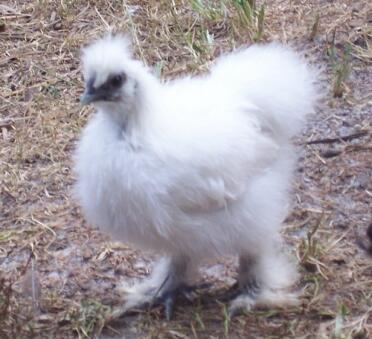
[(6, 125), (102, 19), (330, 153), (14, 16), (315, 28), (341, 138)]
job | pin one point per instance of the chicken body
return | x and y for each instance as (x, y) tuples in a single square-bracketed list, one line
[(197, 167)]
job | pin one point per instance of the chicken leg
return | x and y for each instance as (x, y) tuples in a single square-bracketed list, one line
[(171, 277)]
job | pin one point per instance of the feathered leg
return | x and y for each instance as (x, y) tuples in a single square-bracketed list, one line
[(170, 277), (263, 280)]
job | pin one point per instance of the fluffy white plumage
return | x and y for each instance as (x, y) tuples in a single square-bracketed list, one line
[(195, 168)]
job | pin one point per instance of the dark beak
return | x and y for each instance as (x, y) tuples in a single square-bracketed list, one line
[(88, 97), (92, 94)]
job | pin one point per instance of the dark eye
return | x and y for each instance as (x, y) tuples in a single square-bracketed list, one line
[(117, 80)]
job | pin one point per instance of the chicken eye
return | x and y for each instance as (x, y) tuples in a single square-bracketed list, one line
[(117, 80)]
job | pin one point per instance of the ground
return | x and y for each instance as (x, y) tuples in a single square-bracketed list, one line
[(58, 275)]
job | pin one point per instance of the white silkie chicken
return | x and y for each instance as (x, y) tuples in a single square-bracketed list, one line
[(195, 168)]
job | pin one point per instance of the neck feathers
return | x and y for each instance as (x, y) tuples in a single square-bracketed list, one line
[(132, 118)]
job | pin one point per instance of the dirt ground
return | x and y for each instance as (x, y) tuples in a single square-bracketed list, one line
[(58, 276)]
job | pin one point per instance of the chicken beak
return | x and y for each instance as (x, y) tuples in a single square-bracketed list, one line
[(90, 94), (87, 98)]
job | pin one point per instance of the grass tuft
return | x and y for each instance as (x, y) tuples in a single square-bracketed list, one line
[(311, 250), (252, 17), (341, 70), (88, 318)]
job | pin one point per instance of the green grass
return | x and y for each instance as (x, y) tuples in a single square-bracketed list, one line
[(251, 16), (88, 318), (340, 60)]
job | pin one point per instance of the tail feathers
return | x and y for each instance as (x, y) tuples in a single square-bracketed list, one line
[(276, 80)]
